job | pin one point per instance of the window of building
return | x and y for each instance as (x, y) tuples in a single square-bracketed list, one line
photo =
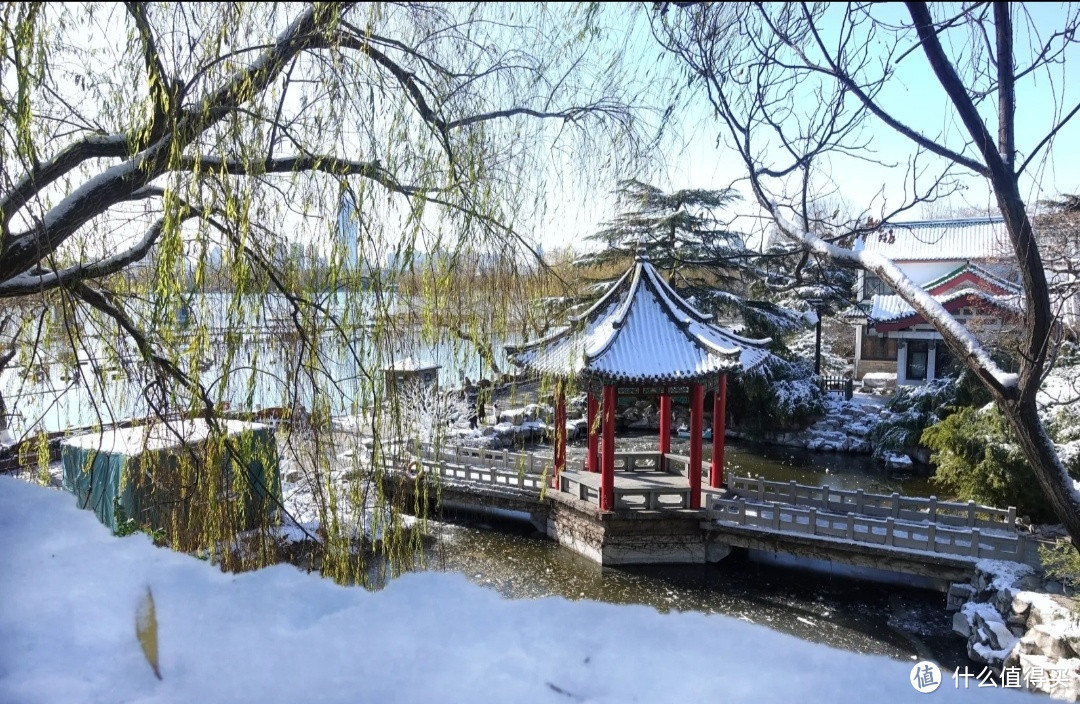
[(872, 285), (878, 348)]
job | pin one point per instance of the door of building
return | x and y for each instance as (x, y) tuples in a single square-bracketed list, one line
[(918, 353)]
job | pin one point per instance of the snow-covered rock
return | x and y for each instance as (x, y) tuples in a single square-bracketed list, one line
[(896, 460), (1029, 631), (879, 380), (1058, 678), (843, 428)]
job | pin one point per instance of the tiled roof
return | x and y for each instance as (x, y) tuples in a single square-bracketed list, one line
[(932, 240), (641, 330), (890, 308), (977, 275)]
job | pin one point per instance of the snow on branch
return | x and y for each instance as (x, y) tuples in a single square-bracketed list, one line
[(952, 330)]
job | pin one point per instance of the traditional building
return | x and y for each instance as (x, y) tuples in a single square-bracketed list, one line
[(641, 338), (409, 373), (967, 265)]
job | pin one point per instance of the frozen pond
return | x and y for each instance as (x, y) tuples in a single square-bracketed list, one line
[(899, 622)]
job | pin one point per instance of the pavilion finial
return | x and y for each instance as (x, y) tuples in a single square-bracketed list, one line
[(641, 254)]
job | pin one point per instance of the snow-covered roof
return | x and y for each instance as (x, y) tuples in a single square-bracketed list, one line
[(140, 438), (892, 308), (410, 365), (935, 240), (641, 330)]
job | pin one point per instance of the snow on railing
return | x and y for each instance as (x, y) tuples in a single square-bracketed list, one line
[(904, 508), (852, 528), (474, 465)]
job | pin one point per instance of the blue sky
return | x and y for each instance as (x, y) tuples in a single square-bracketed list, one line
[(914, 96)]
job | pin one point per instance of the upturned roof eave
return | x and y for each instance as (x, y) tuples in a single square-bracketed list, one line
[(682, 325)]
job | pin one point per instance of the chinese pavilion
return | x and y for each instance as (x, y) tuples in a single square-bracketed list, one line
[(641, 334)]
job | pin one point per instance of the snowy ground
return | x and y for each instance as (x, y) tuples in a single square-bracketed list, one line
[(70, 592)]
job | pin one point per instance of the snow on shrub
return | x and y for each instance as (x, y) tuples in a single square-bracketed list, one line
[(778, 395), (915, 408)]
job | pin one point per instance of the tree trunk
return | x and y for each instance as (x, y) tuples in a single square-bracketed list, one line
[(1047, 467)]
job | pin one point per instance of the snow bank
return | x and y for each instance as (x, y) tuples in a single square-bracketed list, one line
[(71, 591)]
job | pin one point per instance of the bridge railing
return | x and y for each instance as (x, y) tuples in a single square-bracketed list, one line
[(852, 528), (653, 498), (445, 468), (627, 498), (581, 490), (903, 508), (482, 457), (680, 464), (637, 461)]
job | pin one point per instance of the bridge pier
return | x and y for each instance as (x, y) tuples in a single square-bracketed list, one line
[(631, 537)]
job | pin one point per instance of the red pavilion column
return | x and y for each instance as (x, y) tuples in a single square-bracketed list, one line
[(697, 411), (716, 470), (665, 423), (607, 476), (592, 461), (560, 431)]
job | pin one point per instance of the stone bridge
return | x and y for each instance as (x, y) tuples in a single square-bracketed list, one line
[(652, 521)]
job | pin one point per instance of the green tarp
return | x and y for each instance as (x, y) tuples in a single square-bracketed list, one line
[(146, 471)]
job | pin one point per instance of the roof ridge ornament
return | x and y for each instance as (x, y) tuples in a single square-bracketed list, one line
[(641, 254)]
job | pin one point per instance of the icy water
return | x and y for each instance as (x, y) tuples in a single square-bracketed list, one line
[(864, 617), (895, 621)]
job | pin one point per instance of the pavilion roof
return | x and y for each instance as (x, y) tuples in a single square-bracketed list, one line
[(641, 330)]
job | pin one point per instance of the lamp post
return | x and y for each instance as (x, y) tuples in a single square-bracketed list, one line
[(816, 303)]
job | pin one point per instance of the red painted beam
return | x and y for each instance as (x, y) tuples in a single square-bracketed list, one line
[(969, 277), (665, 423), (697, 412), (716, 470), (592, 460), (607, 476)]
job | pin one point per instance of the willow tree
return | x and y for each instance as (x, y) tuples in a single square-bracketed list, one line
[(151, 152), (801, 91)]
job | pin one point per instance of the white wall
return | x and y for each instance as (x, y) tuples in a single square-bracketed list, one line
[(923, 272)]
